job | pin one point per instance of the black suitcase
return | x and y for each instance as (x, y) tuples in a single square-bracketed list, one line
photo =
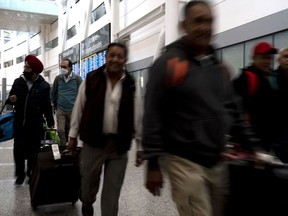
[(55, 181), (255, 191)]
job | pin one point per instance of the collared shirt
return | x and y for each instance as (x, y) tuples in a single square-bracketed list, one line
[(66, 79), (112, 101), (110, 118)]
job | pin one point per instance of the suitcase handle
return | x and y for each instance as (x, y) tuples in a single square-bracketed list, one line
[(69, 153), (46, 132)]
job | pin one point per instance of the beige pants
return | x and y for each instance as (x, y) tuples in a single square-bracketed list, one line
[(197, 190), (63, 123), (92, 161)]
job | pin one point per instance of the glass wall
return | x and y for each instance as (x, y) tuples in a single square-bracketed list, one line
[(239, 55), (98, 13), (280, 41), (233, 56)]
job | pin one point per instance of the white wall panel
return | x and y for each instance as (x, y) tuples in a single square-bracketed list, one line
[(35, 42), (233, 13), (103, 21), (143, 49), (145, 40), (52, 34), (132, 10)]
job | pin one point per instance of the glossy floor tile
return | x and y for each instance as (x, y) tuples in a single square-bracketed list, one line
[(135, 200)]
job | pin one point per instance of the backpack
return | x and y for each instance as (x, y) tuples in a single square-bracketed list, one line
[(253, 82), (177, 70)]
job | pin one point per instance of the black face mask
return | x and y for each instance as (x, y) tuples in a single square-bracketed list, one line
[(28, 75)]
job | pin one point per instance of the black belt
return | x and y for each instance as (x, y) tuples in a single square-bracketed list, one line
[(110, 136)]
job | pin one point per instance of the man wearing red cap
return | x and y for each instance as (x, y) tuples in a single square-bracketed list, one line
[(258, 87), (30, 97)]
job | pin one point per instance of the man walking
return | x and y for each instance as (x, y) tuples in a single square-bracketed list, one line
[(188, 107), (63, 95), (30, 97), (105, 115), (258, 87)]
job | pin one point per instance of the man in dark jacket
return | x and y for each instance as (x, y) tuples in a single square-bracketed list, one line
[(258, 87), (188, 108), (30, 95), (105, 115), (281, 147)]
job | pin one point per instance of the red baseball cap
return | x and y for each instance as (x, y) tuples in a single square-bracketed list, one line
[(264, 48)]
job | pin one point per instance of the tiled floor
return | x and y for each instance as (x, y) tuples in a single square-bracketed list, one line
[(134, 200)]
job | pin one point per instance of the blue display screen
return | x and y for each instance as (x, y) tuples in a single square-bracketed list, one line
[(92, 62)]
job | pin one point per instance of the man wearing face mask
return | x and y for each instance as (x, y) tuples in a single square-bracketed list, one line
[(30, 96), (63, 95)]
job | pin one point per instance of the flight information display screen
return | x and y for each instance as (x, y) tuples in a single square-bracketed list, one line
[(92, 62), (76, 68)]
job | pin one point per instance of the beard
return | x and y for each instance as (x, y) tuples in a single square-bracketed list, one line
[(28, 75)]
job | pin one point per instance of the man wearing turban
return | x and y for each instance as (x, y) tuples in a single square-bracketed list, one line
[(30, 97)]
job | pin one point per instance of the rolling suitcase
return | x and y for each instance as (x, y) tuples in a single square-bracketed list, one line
[(55, 180), (255, 191)]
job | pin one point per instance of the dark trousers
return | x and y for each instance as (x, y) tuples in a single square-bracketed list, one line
[(26, 146)]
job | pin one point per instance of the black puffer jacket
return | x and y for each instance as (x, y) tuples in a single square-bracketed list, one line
[(32, 105)]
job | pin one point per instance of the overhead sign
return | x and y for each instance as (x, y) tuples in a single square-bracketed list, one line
[(96, 42), (72, 53)]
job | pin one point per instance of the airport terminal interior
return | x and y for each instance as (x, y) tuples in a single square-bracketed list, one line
[(81, 30), (27, 18)]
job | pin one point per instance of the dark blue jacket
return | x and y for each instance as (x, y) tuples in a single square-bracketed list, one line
[(32, 105)]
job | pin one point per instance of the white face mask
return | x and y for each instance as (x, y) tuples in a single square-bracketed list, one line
[(63, 71)]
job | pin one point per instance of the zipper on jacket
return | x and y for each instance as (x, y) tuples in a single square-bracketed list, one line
[(25, 107)]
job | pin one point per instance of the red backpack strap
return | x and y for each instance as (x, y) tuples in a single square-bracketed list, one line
[(253, 82), (253, 85), (176, 71)]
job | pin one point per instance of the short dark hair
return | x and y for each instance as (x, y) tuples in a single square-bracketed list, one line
[(192, 4), (69, 61), (121, 45)]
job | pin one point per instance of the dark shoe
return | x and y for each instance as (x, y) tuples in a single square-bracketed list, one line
[(29, 173), (87, 210), (29, 180), (20, 180)]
